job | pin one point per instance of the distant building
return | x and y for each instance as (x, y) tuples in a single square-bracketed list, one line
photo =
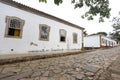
[(98, 41), (25, 29)]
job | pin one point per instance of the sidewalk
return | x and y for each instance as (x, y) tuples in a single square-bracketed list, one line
[(20, 57)]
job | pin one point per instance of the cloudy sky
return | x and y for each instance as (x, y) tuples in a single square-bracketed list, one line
[(67, 12)]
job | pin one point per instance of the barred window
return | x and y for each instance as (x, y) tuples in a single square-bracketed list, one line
[(44, 32), (14, 27)]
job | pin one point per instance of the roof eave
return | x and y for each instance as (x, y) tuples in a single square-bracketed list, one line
[(40, 13)]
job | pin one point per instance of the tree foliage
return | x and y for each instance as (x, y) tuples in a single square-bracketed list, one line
[(102, 33), (95, 7), (116, 29), (57, 2)]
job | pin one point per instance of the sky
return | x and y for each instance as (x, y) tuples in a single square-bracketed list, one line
[(67, 12)]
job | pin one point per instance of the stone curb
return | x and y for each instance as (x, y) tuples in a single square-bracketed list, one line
[(36, 57)]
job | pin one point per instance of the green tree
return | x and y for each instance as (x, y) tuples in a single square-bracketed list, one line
[(116, 29), (102, 33), (95, 8)]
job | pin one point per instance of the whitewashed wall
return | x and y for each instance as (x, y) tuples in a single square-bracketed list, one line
[(108, 40), (92, 41), (105, 43), (96, 41), (31, 33)]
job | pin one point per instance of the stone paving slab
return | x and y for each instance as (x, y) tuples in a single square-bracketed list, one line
[(91, 68), (18, 76), (6, 75)]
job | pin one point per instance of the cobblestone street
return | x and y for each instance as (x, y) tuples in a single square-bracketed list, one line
[(84, 66)]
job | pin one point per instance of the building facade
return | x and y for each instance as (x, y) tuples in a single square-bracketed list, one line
[(25, 29), (98, 41)]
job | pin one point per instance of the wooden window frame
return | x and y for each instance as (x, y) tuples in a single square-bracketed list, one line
[(40, 32), (8, 19)]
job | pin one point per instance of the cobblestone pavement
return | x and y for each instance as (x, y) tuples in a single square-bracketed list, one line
[(114, 68), (84, 66)]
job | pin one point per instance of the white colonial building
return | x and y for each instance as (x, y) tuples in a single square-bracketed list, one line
[(98, 41), (24, 29)]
